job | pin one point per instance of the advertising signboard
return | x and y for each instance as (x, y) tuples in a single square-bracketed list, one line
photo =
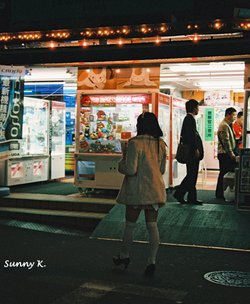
[(11, 108)]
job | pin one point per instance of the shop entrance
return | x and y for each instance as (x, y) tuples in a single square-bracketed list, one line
[(216, 85)]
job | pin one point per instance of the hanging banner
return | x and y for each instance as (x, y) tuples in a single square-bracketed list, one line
[(209, 124), (107, 78), (11, 107)]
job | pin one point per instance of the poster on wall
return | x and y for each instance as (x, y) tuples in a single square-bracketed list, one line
[(11, 109), (215, 98), (107, 78)]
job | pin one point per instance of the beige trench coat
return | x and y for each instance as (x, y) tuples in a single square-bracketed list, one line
[(143, 169)]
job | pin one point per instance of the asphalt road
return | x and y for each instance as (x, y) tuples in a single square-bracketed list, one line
[(43, 268)]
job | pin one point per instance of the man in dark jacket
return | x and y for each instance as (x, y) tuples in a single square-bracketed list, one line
[(191, 137)]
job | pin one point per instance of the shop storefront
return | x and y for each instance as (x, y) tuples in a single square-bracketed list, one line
[(180, 81), (108, 76)]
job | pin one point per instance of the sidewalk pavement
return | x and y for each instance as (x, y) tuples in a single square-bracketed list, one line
[(75, 269)]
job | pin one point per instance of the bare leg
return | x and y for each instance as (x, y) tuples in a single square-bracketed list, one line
[(132, 215), (151, 223)]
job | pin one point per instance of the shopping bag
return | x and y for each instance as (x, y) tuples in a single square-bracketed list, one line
[(229, 194), (182, 153)]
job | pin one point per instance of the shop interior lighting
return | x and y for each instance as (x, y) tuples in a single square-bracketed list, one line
[(229, 84), (192, 77), (203, 76), (207, 67), (50, 74)]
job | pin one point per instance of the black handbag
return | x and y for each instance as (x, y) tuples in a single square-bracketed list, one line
[(182, 153)]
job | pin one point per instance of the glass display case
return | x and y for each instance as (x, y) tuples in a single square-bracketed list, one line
[(35, 127), (171, 112), (104, 122), (32, 162), (106, 119), (164, 110), (57, 139)]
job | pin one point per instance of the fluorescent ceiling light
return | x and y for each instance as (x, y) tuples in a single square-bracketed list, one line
[(170, 75), (215, 85), (50, 74), (44, 82), (167, 87), (222, 83), (213, 66), (215, 73)]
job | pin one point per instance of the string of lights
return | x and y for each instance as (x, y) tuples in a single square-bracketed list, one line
[(127, 34)]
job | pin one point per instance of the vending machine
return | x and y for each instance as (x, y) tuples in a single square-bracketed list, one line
[(104, 123), (32, 161), (57, 139)]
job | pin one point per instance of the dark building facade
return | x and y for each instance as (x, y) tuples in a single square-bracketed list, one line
[(40, 32)]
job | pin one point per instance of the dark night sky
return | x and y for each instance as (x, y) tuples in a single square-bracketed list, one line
[(51, 14)]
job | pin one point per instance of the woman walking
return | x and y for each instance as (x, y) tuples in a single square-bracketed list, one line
[(143, 188)]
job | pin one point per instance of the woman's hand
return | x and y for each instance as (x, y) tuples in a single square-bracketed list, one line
[(124, 149)]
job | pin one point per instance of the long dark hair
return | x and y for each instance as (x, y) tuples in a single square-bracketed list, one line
[(147, 123)]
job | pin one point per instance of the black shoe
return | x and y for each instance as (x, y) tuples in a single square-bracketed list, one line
[(220, 197), (197, 202), (179, 199), (117, 260), (149, 271)]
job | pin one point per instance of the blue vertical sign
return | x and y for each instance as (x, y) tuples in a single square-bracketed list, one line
[(11, 106)]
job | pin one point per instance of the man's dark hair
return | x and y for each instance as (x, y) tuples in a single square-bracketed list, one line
[(191, 104), (240, 114), (229, 111)]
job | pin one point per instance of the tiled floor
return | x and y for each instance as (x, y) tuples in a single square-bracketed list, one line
[(206, 180)]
